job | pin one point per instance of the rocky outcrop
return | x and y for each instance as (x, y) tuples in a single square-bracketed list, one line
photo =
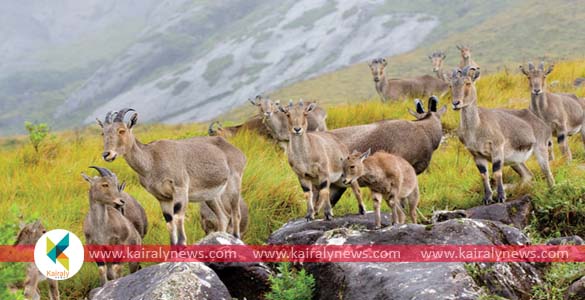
[(515, 213), (412, 280), (567, 240), (576, 291), (186, 281), (243, 280)]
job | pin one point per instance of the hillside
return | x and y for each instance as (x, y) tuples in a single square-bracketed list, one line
[(181, 61), (522, 31), (48, 184)]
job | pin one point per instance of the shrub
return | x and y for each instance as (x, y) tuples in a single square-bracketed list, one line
[(37, 133), (291, 285), (560, 211)]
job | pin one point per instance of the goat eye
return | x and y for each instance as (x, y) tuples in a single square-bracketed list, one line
[(352, 167), (121, 131)]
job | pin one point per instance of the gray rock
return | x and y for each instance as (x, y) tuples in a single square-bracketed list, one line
[(243, 280), (576, 291), (186, 281), (301, 232), (413, 280), (566, 240), (516, 212), (444, 215)]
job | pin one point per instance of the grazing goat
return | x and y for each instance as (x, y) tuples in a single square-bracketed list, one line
[(29, 234), (316, 158), (414, 141), (500, 136), (387, 176), (466, 57), (178, 171), (106, 223), (437, 59), (395, 89), (276, 121), (563, 113), (253, 124)]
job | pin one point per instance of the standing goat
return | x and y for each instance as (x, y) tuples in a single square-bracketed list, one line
[(466, 57), (109, 222), (563, 113), (500, 136), (388, 176), (276, 121), (316, 158), (415, 141), (29, 234), (178, 171), (437, 59), (395, 89)]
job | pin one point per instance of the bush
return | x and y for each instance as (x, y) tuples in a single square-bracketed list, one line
[(291, 285), (37, 133), (560, 211)]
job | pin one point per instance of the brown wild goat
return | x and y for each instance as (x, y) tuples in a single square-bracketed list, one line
[(276, 121), (437, 59), (254, 124), (466, 57), (175, 172), (563, 113), (316, 158), (107, 222), (389, 177), (415, 141), (29, 234), (500, 136), (395, 89)]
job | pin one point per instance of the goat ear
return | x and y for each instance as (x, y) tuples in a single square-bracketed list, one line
[(365, 154), (99, 122), (458, 47), (283, 109), (430, 57), (475, 74), (87, 178), (414, 113), (444, 55), (252, 101), (133, 120), (310, 107), (384, 62), (122, 186), (550, 69), (523, 70)]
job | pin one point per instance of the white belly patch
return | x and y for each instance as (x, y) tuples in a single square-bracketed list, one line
[(519, 156), (206, 194)]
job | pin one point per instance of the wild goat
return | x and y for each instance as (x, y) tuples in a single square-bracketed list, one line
[(178, 171), (500, 136), (254, 124), (466, 57), (276, 122), (29, 234), (563, 113), (387, 176), (316, 158), (415, 141), (395, 89), (110, 219), (437, 59)]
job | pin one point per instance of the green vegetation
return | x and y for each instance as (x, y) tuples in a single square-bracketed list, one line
[(291, 284), (556, 281), (37, 133), (53, 188)]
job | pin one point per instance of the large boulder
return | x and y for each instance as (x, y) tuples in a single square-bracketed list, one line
[(243, 280), (574, 240), (187, 281), (516, 213), (414, 279), (576, 291)]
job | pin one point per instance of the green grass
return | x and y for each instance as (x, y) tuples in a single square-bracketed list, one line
[(48, 184)]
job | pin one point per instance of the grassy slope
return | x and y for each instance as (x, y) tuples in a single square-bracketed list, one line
[(49, 185), (501, 35)]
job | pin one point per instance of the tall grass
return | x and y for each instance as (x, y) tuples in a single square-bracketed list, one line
[(48, 184)]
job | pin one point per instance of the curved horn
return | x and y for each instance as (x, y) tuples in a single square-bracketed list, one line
[(290, 103), (121, 114), (109, 115), (419, 107), (541, 65), (530, 66), (433, 103), (210, 130), (103, 171), (301, 103)]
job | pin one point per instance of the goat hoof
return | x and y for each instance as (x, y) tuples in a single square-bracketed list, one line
[(501, 199), (362, 210), (309, 218), (487, 200), (237, 236), (328, 216)]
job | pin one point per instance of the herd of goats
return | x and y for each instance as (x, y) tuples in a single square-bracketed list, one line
[(385, 156)]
